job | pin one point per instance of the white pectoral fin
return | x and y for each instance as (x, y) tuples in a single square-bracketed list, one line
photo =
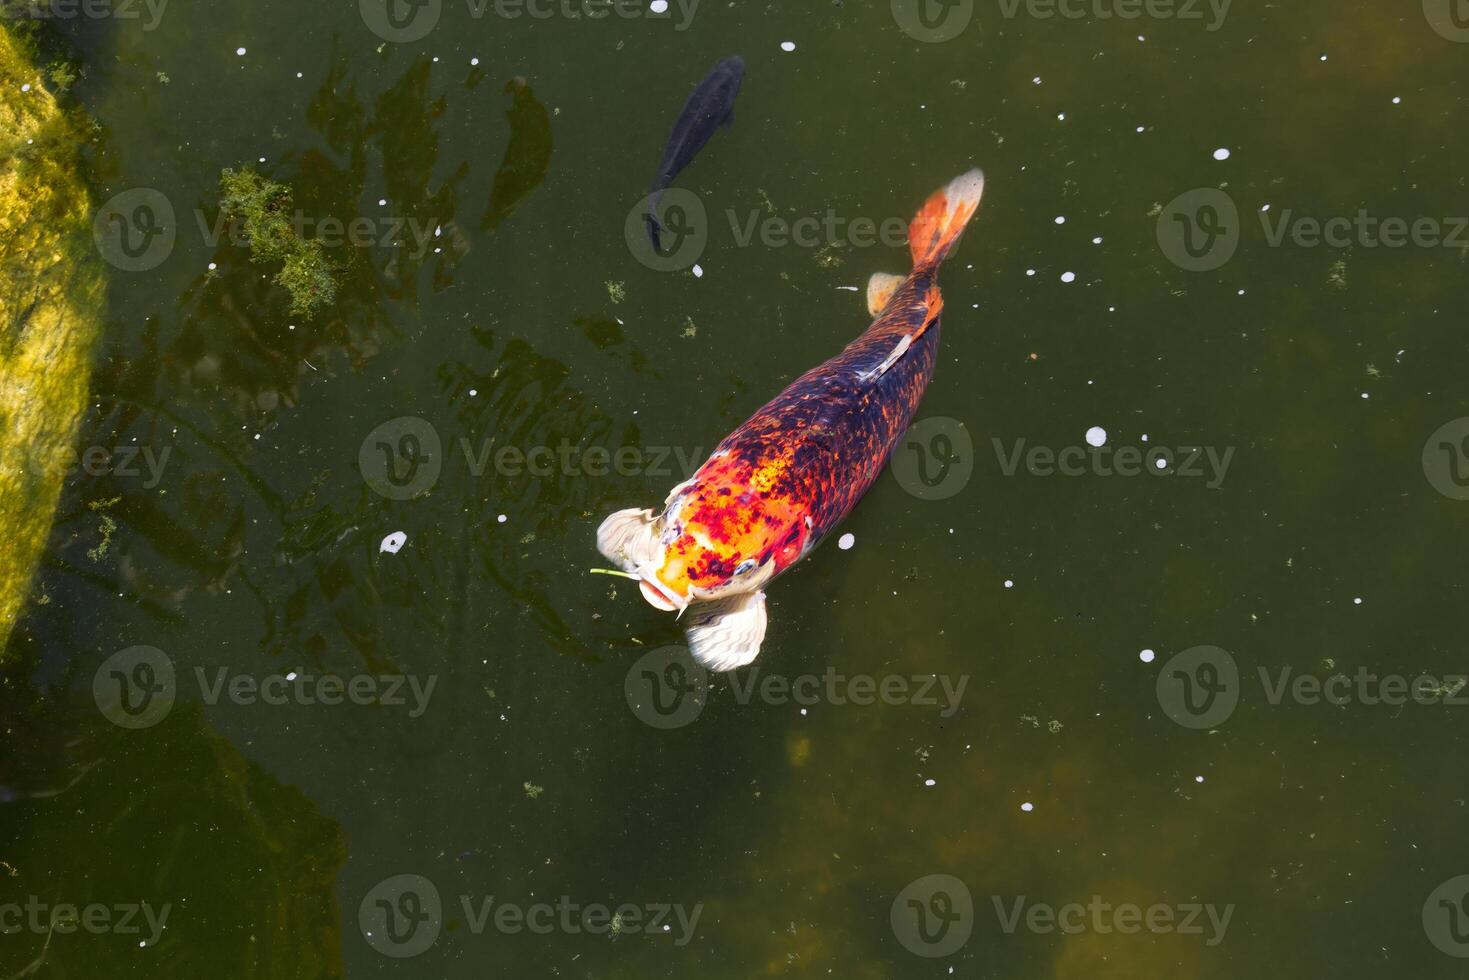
[(880, 289), (627, 538), (727, 633)]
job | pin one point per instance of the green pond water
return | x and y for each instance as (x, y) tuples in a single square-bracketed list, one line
[(1142, 766)]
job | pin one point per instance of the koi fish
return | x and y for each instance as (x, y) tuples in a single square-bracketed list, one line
[(779, 483), (710, 106)]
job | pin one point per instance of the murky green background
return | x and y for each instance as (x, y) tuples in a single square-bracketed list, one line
[(528, 777)]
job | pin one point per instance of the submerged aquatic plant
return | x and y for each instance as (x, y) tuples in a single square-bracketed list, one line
[(263, 208)]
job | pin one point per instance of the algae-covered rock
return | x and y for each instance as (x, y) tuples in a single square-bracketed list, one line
[(51, 295)]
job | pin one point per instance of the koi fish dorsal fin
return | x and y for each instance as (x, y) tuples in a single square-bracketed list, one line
[(727, 633), (880, 289), (934, 306)]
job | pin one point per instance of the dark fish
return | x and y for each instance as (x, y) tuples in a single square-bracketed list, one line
[(711, 106)]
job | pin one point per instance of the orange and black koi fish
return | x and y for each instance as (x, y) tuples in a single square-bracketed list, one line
[(783, 480)]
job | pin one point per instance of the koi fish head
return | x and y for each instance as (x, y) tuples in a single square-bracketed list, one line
[(714, 540)]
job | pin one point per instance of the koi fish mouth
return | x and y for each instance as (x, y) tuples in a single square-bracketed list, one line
[(660, 596)]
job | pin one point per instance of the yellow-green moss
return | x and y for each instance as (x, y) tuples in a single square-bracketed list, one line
[(263, 207), (51, 295)]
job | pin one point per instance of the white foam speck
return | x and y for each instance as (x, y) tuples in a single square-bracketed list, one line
[(1096, 436), (473, 392), (473, 62), (502, 519), (788, 45), (1222, 153), (1146, 656), (393, 542), (930, 782), (698, 271), (659, 6), (1097, 240), (1030, 272), (1068, 277), (1027, 807), (1198, 779), (1009, 583), (846, 541), (1060, 219), (1357, 601), (240, 52), (1397, 100)]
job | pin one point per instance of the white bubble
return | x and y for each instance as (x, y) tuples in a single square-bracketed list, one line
[(1027, 807), (1009, 583), (502, 519), (240, 52), (473, 62), (929, 782), (1060, 219), (1030, 272), (1068, 277), (698, 271), (1222, 153), (1146, 656), (846, 541), (1397, 100), (393, 542), (659, 6), (1357, 601), (1096, 436), (1097, 240), (788, 45), (1198, 779)]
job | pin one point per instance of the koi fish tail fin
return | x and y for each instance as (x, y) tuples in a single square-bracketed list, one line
[(939, 223)]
